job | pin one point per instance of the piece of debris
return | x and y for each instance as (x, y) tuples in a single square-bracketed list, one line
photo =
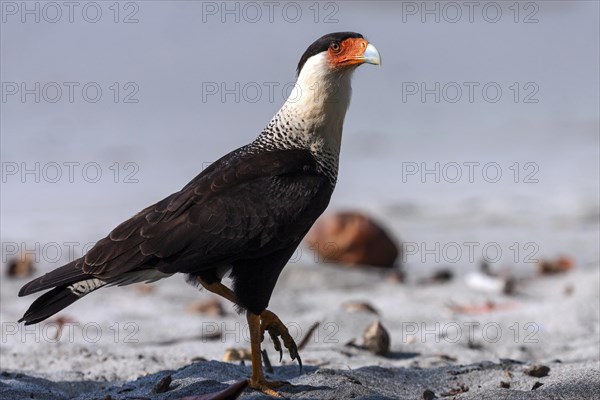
[(505, 385), (510, 285), (163, 385), (396, 276), (557, 266), (510, 361), (538, 371), (210, 307), (376, 339), (352, 238), (488, 283), (473, 345), (443, 275), (446, 357), (20, 267), (144, 288), (461, 388), (306, 339), (569, 289), (266, 361), (428, 395), (231, 393), (360, 306), (347, 353), (233, 354), (412, 339), (536, 385), (476, 309), (485, 268)]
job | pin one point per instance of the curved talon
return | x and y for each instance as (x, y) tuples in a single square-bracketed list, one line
[(294, 354), (271, 323), (276, 343), (299, 361)]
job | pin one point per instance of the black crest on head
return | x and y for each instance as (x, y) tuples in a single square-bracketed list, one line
[(322, 44)]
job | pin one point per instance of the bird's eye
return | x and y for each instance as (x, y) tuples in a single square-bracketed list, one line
[(335, 47)]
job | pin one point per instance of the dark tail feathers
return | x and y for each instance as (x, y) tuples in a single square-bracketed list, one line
[(49, 304), (65, 275), (68, 284)]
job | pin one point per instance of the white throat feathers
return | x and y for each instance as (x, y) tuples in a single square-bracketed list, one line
[(313, 115)]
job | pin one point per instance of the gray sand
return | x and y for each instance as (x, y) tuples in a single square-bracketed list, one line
[(121, 341)]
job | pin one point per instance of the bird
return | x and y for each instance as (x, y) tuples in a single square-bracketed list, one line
[(242, 217)]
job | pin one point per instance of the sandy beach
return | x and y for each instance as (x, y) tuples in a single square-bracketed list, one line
[(122, 341)]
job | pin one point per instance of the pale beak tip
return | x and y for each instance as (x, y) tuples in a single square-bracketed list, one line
[(371, 55)]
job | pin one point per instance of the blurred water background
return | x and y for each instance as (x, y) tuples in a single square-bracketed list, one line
[(544, 124)]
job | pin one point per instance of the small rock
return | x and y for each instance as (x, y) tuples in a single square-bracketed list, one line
[(352, 238), (536, 385), (556, 266), (211, 307), (376, 339), (428, 395), (446, 357), (440, 276), (396, 276), (474, 345), (20, 267), (163, 385), (360, 307), (461, 388), (237, 354), (569, 289), (505, 385), (538, 371), (510, 286)]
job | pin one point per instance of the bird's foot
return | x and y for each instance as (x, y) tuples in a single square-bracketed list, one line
[(267, 387), (271, 323)]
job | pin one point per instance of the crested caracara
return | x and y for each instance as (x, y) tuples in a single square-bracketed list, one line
[(245, 215)]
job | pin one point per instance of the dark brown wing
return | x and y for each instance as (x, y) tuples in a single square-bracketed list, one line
[(233, 209)]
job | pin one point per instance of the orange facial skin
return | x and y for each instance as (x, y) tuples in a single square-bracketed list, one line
[(348, 52)]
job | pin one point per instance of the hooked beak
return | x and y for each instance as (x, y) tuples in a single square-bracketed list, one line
[(371, 55)]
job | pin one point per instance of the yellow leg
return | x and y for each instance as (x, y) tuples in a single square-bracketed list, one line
[(258, 381), (258, 324), (220, 289)]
